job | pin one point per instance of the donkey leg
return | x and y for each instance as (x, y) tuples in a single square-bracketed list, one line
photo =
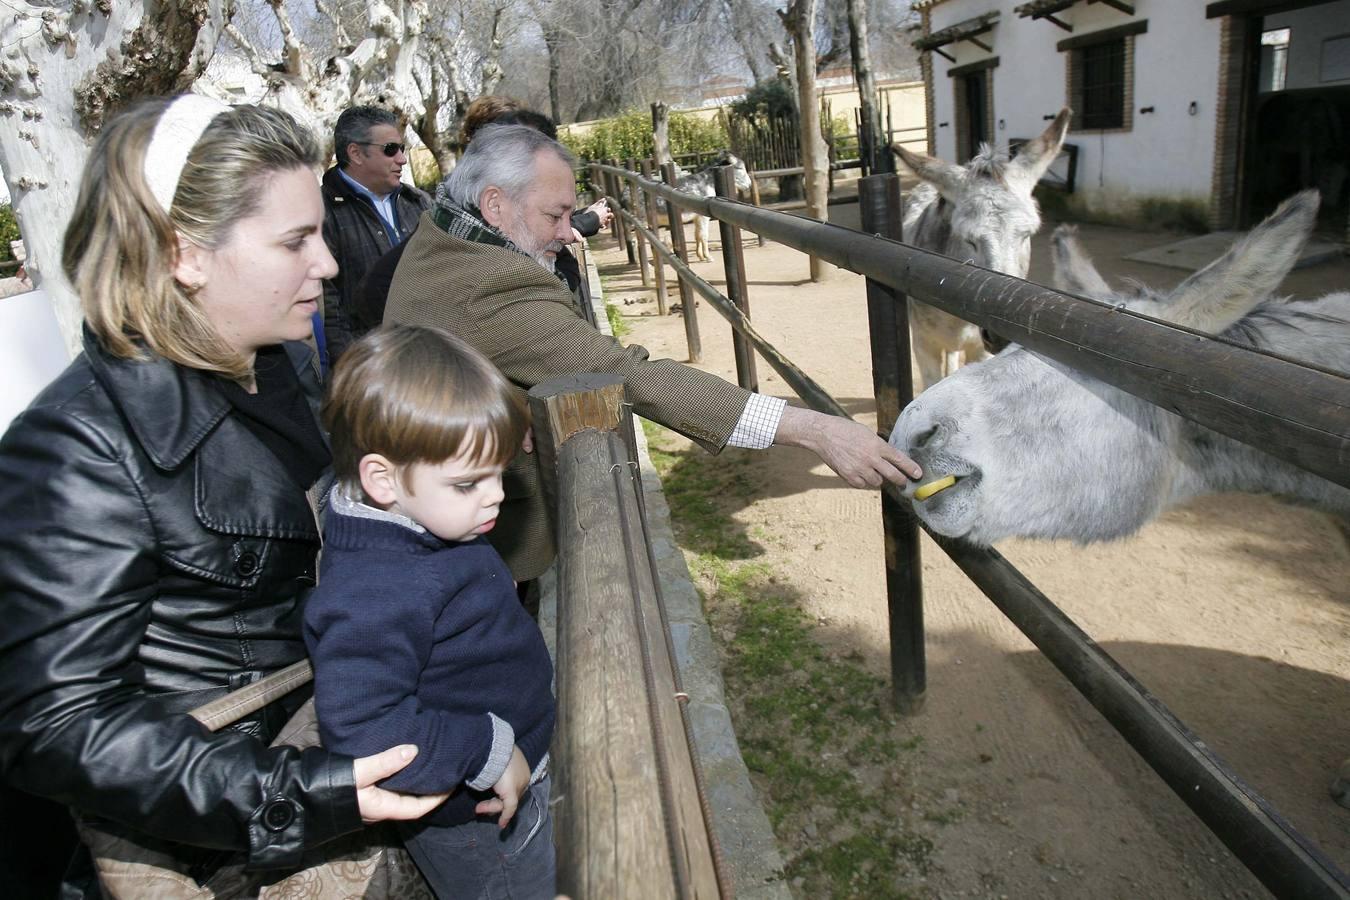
[(701, 238), (929, 360)]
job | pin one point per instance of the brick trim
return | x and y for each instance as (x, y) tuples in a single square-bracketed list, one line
[(1226, 181)]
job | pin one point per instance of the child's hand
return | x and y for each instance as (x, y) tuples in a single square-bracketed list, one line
[(509, 789)]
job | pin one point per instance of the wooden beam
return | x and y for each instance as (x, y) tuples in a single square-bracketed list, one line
[(981, 44), (944, 54), (1049, 18), (629, 797), (1126, 8)]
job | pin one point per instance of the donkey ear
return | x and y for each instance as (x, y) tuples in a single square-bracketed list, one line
[(1036, 155), (1227, 289), (946, 177), (1074, 271)]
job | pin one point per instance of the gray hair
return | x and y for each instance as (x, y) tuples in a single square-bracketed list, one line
[(354, 125), (500, 155)]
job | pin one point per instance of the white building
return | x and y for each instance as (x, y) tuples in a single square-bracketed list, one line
[(1229, 105)]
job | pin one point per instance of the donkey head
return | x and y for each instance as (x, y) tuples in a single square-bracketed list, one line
[(741, 174), (992, 212), (1040, 450)]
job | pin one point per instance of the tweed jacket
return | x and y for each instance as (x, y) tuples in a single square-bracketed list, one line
[(520, 316), (357, 238)]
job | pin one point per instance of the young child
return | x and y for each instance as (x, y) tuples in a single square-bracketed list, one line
[(415, 629)]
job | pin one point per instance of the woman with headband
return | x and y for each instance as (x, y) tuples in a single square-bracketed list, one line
[(157, 536)]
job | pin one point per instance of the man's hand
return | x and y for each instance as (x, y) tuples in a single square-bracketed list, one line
[(856, 454), (376, 803), (601, 209), (513, 784)]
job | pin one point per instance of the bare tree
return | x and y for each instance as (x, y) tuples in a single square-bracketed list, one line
[(67, 66), (872, 147), (315, 87), (800, 21)]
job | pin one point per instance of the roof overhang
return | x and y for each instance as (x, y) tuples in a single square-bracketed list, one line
[(1046, 9), (969, 30)]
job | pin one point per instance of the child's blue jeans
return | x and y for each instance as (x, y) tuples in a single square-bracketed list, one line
[(482, 860)]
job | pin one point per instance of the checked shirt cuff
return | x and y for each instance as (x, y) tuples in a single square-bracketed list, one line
[(758, 423)]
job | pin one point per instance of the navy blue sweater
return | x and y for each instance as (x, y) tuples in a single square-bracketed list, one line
[(416, 640)]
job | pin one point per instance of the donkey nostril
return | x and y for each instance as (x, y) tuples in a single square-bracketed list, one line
[(923, 439)]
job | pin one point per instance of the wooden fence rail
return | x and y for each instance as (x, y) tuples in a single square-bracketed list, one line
[(630, 798), (1284, 408)]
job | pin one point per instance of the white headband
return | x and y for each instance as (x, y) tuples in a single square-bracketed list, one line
[(177, 132)]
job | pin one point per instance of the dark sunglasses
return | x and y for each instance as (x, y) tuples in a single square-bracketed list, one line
[(391, 149)]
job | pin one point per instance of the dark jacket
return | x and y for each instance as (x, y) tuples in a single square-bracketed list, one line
[(155, 554), (416, 640), (357, 237)]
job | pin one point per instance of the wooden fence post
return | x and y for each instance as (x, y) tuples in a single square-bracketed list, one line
[(628, 791), (893, 382), (733, 260), (639, 213), (653, 222), (617, 192), (601, 181), (688, 303)]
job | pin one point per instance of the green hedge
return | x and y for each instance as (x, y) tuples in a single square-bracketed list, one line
[(630, 134), (9, 231)]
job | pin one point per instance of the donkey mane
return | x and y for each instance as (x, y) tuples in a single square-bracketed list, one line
[(989, 163)]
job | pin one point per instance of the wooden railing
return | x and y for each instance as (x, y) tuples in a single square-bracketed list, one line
[(1296, 412)]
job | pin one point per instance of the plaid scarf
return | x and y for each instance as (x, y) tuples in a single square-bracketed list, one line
[(466, 223)]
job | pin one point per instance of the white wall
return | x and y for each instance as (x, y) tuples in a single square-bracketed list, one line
[(1167, 153)]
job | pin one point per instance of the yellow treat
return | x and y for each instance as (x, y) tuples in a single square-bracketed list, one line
[(927, 490)]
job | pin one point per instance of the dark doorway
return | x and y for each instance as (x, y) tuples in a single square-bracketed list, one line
[(975, 106), (1297, 131)]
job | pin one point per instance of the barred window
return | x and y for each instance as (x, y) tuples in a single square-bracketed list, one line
[(1099, 71), (1101, 84)]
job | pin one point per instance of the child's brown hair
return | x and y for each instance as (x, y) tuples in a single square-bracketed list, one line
[(419, 395)]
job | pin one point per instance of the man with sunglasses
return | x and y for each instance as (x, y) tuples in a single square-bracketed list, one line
[(368, 210)]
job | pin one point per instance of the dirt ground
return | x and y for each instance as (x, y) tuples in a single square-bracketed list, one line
[(1234, 611)]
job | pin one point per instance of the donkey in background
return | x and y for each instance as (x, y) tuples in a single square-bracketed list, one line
[(982, 213), (700, 184)]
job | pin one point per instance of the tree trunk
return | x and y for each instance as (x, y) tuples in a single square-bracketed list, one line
[(551, 43), (661, 133), (815, 156), (64, 72), (872, 147)]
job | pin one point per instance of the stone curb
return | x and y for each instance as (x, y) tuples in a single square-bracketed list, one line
[(741, 827)]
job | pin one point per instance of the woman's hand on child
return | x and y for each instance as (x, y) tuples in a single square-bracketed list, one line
[(513, 784), (376, 803)]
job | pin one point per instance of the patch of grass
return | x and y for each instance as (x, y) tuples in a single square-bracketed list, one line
[(816, 729), (617, 325)]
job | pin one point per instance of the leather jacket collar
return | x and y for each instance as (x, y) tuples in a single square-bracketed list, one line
[(170, 408)]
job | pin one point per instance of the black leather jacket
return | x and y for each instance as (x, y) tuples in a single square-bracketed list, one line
[(153, 554)]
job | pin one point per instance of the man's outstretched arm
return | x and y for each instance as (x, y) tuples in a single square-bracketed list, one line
[(851, 449)]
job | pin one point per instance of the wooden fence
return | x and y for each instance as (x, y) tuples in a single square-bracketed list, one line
[(1299, 413), (629, 796)]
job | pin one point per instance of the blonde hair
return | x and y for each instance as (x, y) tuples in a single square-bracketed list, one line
[(419, 395), (121, 246)]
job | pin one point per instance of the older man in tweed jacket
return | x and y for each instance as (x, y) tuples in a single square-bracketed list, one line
[(481, 265)]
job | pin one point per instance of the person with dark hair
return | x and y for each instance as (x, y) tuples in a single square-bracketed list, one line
[(415, 630), (368, 211), (374, 290)]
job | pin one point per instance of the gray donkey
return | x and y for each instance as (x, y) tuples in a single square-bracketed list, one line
[(983, 213), (700, 184), (1042, 451)]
